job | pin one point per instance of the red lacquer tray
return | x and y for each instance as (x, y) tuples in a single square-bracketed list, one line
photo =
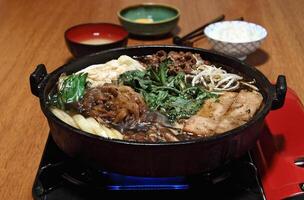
[(280, 147)]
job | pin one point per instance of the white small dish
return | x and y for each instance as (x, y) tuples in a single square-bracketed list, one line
[(235, 38)]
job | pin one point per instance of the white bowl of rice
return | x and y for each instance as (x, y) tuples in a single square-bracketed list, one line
[(235, 38)]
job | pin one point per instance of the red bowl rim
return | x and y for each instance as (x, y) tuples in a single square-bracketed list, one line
[(86, 24)]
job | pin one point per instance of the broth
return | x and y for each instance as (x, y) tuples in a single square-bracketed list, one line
[(97, 41)]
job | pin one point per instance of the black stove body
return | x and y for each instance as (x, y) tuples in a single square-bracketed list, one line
[(60, 177)]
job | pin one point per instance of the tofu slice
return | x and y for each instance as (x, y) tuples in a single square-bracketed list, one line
[(226, 113), (207, 118), (245, 106), (199, 125), (242, 110), (216, 108)]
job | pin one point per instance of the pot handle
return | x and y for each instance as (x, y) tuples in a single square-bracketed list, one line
[(36, 78), (280, 92)]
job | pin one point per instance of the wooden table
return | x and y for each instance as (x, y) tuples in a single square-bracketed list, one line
[(31, 32)]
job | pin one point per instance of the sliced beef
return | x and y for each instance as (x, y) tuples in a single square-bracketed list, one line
[(154, 134), (179, 61), (113, 104)]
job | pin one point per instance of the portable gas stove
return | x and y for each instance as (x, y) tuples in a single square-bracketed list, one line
[(273, 170)]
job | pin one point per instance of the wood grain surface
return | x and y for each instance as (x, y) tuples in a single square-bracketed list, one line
[(31, 32)]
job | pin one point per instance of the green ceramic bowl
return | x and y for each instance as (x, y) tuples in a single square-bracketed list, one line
[(149, 19)]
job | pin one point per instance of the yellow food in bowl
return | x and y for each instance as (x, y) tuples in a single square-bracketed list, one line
[(144, 20)]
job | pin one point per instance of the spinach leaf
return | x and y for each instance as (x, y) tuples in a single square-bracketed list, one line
[(162, 72), (71, 89), (135, 79), (180, 107), (155, 99), (170, 95)]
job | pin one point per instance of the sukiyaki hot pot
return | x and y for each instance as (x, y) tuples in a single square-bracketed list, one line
[(156, 110)]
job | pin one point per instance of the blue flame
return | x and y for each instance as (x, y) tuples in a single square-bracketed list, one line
[(121, 182)]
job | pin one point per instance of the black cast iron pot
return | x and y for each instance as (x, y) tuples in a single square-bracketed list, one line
[(157, 159)]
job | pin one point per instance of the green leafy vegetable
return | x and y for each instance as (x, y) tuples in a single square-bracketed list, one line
[(135, 79), (70, 89), (170, 95), (162, 72)]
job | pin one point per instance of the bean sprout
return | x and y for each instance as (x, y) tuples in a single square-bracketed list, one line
[(250, 85), (217, 80)]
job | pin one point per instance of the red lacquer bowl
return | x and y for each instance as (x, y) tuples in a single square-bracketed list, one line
[(90, 38)]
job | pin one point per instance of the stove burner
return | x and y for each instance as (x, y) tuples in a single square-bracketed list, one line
[(59, 176)]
